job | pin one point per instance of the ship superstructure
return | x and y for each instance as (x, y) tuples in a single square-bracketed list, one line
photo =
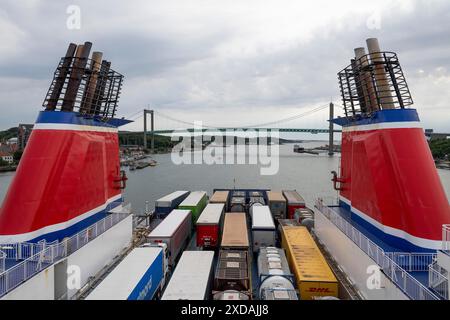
[(65, 205), (392, 206)]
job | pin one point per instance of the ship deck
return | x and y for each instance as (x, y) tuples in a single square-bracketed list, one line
[(421, 276)]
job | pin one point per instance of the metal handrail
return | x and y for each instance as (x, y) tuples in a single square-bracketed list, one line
[(446, 237), (385, 260), (438, 280), (2, 261), (50, 253), (412, 261), (24, 250)]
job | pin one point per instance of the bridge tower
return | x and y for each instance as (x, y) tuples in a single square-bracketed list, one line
[(331, 131), (152, 128)]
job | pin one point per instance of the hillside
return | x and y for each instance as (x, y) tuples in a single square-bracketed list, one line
[(8, 134)]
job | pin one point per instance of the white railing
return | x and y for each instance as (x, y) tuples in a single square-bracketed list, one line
[(23, 250), (446, 237), (51, 253), (438, 280), (2, 261), (413, 261), (391, 264)]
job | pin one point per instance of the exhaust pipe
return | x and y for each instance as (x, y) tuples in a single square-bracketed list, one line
[(101, 87), (59, 82), (368, 88), (78, 69), (87, 106), (381, 79)]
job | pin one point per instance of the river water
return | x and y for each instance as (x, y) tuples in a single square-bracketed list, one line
[(308, 174)]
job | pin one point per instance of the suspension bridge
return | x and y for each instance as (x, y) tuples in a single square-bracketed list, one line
[(184, 126)]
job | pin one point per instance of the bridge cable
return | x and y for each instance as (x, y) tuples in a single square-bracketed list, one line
[(306, 113)]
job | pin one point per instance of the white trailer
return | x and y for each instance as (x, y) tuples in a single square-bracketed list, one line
[(175, 231), (192, 277), (165, 205), (263, 228), (139, 276)]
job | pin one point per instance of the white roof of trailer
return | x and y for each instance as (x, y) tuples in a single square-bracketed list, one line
[(191, 276), (211, 214), (123, 279), (262, 218), (193, 199), (170, 224), (167, 199)]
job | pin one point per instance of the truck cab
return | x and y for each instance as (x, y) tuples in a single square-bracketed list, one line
[(165, 251)]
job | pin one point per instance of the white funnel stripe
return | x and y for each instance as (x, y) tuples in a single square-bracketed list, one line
[(73, 127), (384, 125), (23, 237), (420, 242)]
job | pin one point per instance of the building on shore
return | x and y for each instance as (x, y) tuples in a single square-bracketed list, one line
[(24, 135), (7, 157)]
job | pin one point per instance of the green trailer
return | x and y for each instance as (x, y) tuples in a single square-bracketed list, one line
[(196, 202)]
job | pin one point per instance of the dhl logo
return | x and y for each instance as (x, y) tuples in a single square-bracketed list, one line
[(319, 290)]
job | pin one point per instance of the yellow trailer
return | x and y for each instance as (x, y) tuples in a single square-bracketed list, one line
[(313, 274)]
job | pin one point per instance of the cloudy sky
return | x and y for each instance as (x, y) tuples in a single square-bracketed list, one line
[(225, 62)]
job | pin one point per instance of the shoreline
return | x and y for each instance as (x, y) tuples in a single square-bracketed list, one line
[(8, 169)]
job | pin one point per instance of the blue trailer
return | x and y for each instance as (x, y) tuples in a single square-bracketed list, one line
[(139, 276), (165, 205)]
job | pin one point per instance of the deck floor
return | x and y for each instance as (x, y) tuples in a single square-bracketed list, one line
[(421, 276)]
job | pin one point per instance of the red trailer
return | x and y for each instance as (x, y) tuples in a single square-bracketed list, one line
[(294, 201), (209, 225)]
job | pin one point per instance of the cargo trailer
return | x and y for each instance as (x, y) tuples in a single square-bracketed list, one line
[(196, 202), (275, 277), (277, 204), (285, 223), (303, 213), (192, 277), (313, 275), (250, 210), (294, 201), (209, 225), (288, 223), (235, 232), (139, 276), (239, 194), (232, 272), (253, 200), (263, 228), (220, 197), (255, 194), (175, 231), (237, 204), (165, 205), (230, 295)]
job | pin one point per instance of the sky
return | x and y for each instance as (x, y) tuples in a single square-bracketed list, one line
[(225, 63)]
